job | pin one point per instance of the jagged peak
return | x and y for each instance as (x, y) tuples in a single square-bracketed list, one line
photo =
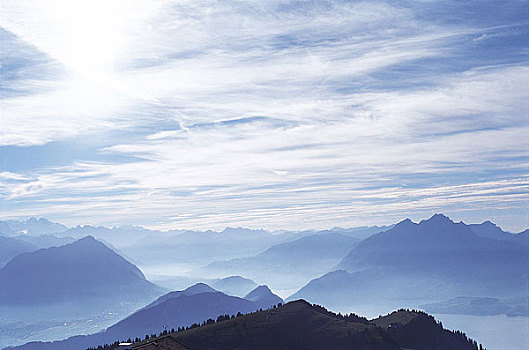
[(405, 222), (438, 218)]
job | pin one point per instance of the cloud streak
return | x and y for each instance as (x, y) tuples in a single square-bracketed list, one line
[(272, 114)]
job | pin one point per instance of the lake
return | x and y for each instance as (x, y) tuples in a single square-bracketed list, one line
[(497, 332)]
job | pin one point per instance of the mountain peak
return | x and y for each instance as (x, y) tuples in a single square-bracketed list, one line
[(258, 291), (438, 219), (242, 230), (86, 268), (405, 222), (264, 295), (199, 288), (88, 238), (489, 223), (88, 241)]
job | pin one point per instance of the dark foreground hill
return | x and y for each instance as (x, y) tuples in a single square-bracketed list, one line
[(300, 325), (193, 305)]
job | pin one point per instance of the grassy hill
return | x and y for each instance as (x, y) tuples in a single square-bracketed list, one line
[(300, 325)]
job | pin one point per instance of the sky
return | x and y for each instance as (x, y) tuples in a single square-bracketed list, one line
[(264, 114)]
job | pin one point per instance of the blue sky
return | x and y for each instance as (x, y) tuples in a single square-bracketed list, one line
[(265, 114)]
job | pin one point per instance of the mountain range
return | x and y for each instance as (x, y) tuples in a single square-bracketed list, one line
[(15, 245), (31, 226), (234, 285), (436, 263), (290, 264), (175, 309), (433, 260), (11, 247)]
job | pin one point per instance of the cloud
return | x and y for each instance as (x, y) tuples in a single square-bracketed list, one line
[(276, 114)]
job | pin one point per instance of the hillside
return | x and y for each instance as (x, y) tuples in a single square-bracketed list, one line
[(11, 247), (434, 260), (85, 269), (489, 229), (418, 330), (187, 308), (300, 325), (234, 285), (45, 241), (176, 309), (290, 264)]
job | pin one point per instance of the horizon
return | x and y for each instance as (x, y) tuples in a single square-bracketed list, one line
[(273, 231), (361, 155)]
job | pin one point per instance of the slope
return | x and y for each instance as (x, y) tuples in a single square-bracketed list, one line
[(434, 260), (11, 247), (81, 270), (299, 325), (291, 264), (182, 308)]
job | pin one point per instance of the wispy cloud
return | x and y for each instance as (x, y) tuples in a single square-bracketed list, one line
[(274, 114)]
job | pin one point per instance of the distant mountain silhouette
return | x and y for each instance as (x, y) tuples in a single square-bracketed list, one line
[(489, 229), (290, 264), (78, 271), (11, 247), (183, 308), (45, 241), (194, 289), (480, 306), (192, 305), (264, 296), (195, 248), (359, 233), (234, 285), (31, 226), (299, 325), (243, 233), (433, 260)]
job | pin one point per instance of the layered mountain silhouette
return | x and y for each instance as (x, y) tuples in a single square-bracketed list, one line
[(489, 229), (299, 325), (291, 263), (31, 226), (199, 248), (46, 240), (181, 308), (234, 285), (193, 305), (15, 245), (435, 259), (263, 295), (80, 271), (11, 247)]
